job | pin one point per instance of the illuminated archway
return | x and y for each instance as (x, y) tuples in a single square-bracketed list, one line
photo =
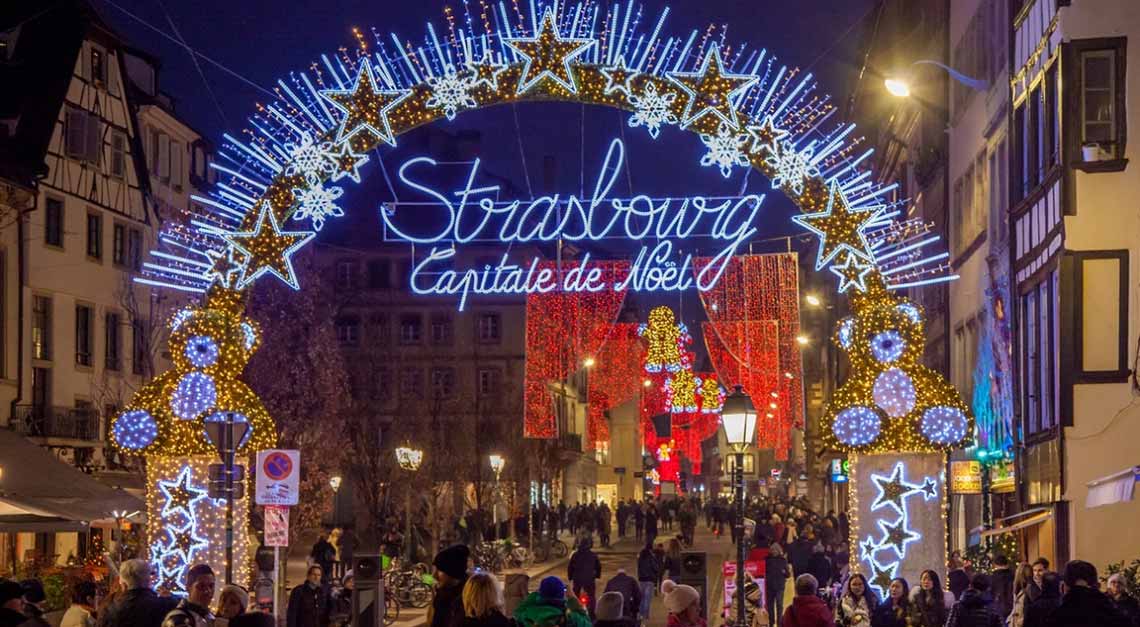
[(748, 111)]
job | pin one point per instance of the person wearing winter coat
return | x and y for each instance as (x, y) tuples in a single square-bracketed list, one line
[(451, 575), (776, 575), (855, 605), (194, 610), (957, 579), (483, 602), (807, 609), (1048, 600), (309, 603), (892, 612), (683, 603), (611, 611), (819, 565), (973, 609), (755, 615), (1125, 603), (550, 606), (630, 593), (583, 571), (1001, 580), (1022, 577), (648, 574), (929, 604), (1083, 605)]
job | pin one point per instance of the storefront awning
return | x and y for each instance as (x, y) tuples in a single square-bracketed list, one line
[(1023, 520), (41, 493), (1115, 488)]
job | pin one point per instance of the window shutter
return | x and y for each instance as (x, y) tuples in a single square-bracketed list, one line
[(94, 139), (163, 156), (76, 132), (176, 151)]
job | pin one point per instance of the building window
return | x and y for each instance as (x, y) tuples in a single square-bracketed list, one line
[(348, 331), (113, 341), (489, 328), (98, 66), (140, 347), (379, 274), (1100, 295), (118, 154), (346, 274), (118, 244), (84, 334), (177, 152), (382, 388), (440, 329), (442, 382), (41, 327), (1098, 102), (83, 135), (134, 249), (1038, 355), (488, 381), (410, 329), (95, 236), (381, 330), (749, 464), (41, 389), (998, 200), (53, 222), (411, 383)]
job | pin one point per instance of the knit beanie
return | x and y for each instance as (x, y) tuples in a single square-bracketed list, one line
[(452, 561), (611, 606), (678, 597), (552, 589), (239, 592)]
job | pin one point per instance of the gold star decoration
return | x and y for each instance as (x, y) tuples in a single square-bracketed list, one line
[(548, 55), (180, 495), (184, 543), (364, 106), (852, 273), (486, 71), (897, 535), (765, 137), (347, 163), (893, 490), (618, 76), (711, 90), (881, 577), (225, 267), (268, 249), (839, 228)]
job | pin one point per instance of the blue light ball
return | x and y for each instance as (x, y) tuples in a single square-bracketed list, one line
[(201, 351), (856, 426), (887, 346), (943, 425), (196, 392), (135, 429)]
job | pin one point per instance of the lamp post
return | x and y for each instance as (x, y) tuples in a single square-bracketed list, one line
[(497, 463), (409, 459), (899, 87), (334, 483), (738, 418)]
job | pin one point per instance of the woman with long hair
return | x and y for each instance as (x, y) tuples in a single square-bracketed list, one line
[(483, 602), (1021, 580), (892, 612), (928, 607), (672, 563), (855, 605)]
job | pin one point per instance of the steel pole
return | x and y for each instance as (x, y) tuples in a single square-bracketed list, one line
[(741, 612), (408, 524), (228, 458)]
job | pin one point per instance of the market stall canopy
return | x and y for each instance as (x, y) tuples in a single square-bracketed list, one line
[(39, 493)]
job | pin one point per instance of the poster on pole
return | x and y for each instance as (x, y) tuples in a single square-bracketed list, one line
[(728, 576), (278, 477), (276, 525)]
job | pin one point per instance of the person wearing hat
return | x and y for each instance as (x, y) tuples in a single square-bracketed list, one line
[(583, 571), (611, 611), (11, 604), (549, 607), (683, 604), (232, 602), (450, 574)]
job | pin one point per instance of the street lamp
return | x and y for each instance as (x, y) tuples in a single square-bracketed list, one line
[(900, 87), (803, 340), (813, 300), (738, 417), (497, 463), (588, 362), (334, 483), (409, 459)]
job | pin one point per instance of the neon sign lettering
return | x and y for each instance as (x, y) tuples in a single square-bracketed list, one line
[(471, 214)]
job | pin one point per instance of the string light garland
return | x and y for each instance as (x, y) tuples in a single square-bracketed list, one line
[(615, 378)]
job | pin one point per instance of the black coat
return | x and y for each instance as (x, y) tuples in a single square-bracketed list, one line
[(447, 605), (887, 615), (12, 618), (957, 580), (140, 607), (1002, 591), (308, 606), (1129, 608), (799, 554), (494, 618), (820, 567), (973, 611), (630, 592), (584, 566), (1085, 607), (648, 568), (775, 575), (1037, 612)]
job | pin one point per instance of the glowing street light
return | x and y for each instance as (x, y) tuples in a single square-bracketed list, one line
[(738, 418), (803, 340), (646, 383), (813, 300), (409, 459), (588, 362), (900, 87), (897, 87)]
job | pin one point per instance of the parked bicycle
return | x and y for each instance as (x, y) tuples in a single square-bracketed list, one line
[(548, 546), (496, 555)]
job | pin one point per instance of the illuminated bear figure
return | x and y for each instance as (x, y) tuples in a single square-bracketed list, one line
[(667, 341), (891, 402), (166, 419)]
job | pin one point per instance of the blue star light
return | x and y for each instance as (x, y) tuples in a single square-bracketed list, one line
[(180, 495), (618, 76)]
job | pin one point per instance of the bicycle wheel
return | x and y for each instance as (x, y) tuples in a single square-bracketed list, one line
[(542, 551), (391, 609), (419, 595), (559, 549)]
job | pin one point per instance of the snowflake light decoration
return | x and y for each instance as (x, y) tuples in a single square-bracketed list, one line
[(310, 159), (652, 109), (725, 149), (451, 92), (317, 203), (792, 167)]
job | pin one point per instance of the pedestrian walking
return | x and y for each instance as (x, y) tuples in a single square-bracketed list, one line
[(819, 565), (683, 603), (309, 603), (611, 611), (1082, 604), (1048, 600), (630, 591), (807, 609), (451, 575), (856, 604), (892, 611), (776, 575), (483, 602), (956, 577), (755, 615), (194, 610), (974, 608), (583, 571), (1001, 582), (549, 606), (1124, 603), (81, 613), (648, 574), (323, 554), (639, 522), (138, 605), (651, 523), (930, 604), (1040, 567), (672, 563)]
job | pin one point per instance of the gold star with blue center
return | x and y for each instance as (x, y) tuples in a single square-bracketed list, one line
[(839, 228), (268, 248), (364, 106), (711, 90), (548, 55)]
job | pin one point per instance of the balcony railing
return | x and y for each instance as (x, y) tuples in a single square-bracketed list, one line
[(72, 423)]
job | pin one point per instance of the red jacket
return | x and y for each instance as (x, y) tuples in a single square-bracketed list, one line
[(807, 611)]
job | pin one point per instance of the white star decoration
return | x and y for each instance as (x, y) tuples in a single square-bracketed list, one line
[(652, 109), (550, 52), (711, 90), (852, 273), (486, 71), (618, 77), (725, 149), (364, 106), (277, 258), (451, 92)]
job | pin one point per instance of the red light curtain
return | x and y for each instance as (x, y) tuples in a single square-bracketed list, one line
[(653, 403), (562, 329), (748, 354), (616, 376)]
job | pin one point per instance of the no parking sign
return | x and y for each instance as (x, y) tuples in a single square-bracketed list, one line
[(278, 477)]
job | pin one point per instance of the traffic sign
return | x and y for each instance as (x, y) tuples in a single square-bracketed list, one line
[(276, 525), (278, 477)]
